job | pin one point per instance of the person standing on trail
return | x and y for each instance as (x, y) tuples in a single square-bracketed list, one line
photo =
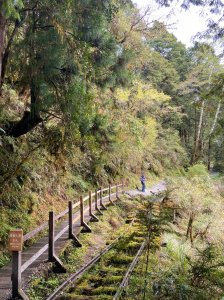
[(143, 179)]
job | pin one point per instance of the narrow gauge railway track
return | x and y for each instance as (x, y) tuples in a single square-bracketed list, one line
[(124, 282), (86, 267), (156, 212), (79, 273)]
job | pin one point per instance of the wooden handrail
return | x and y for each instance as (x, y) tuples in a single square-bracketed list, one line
[(32, 233), (35, 231), (105, 189)]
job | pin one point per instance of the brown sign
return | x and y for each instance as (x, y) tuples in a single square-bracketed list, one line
[(16, 240)]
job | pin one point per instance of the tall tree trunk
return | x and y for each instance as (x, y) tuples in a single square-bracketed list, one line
[(211, 133), (209, 152), (30, 118), (198, 134), (2, 41)]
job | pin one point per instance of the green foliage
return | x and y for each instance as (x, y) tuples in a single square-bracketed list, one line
[(197, 170), (172, 50), (10, 8)]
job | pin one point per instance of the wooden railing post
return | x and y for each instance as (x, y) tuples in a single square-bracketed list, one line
[(86, 228), (58, 268), (71, 235), (51, 252), (101, 200), (70, 224), (110, 195), (17, 292), (90, 203), (122, 186), (96, 203), (93, 217)]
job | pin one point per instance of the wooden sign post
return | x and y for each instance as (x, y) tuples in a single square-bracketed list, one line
[(16, 246), (16, 240)]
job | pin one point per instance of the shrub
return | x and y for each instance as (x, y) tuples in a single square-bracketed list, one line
[(197, 170)]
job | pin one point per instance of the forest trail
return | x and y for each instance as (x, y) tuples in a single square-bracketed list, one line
[(5, 272), (155, 189)]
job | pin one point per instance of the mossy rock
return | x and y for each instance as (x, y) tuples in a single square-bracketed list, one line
[(108, 290)]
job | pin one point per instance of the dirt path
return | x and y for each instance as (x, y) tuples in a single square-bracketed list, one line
[(155, 189)]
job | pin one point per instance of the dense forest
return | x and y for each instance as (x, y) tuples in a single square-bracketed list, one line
[(92, 92)]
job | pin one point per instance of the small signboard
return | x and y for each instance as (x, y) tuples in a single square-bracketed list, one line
[(16, 240)]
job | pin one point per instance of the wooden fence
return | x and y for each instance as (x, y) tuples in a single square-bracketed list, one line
[(99, 197)]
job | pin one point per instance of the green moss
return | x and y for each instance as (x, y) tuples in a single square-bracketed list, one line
[(108, 290), (94, 278), (112, 279), (139, 239), (84, 288), (76, 297), (121, 259), (110, 269), (132, 245), (104, 297)]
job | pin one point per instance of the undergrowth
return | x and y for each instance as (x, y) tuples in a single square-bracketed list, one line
[(185, 259)]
